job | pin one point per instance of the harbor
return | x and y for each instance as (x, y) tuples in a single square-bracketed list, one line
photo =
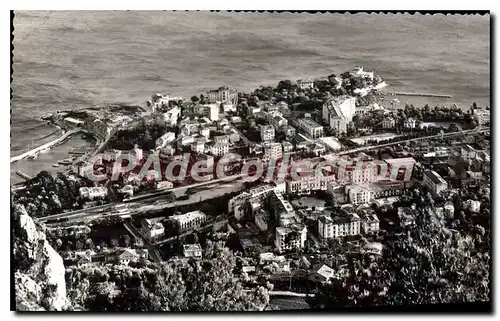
[(49, 161), (34, 152)]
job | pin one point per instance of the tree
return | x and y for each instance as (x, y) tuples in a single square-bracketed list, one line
[(425, 265), (113, 243), (195, 99), (285, 84), (89, 243), (195, 285), (125, 240)]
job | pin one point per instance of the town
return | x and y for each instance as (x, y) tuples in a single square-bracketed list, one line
[(316, 193)]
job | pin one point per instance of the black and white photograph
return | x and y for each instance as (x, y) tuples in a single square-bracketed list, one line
[(213, 161)]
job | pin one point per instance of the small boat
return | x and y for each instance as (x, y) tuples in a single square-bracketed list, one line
[(56, 165)]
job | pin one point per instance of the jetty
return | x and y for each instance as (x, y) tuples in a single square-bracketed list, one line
[(419, 95), (23, 175), (47, 146)]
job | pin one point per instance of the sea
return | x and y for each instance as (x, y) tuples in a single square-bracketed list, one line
[(78, 59)]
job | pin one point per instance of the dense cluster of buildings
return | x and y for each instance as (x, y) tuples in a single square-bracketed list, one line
[(298, 218)]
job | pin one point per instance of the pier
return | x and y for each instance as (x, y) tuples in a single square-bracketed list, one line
[(23, 175), (421, 95), (48, 145)]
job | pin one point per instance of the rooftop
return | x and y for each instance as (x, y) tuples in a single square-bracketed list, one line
[(308, 122), (192, 247), (325, 271), (188, 216), (434, 177), (346, 218), (288, 303), (325, 219), (400, 160)]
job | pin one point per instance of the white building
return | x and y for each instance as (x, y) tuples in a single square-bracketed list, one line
[(198, 146), (339, 226), (152, 228), (92, 193), (171, 116), (213, 112), (353, 174), (290, 238), (346, 225), (224, 95), (325, 227), (267, 133), (358, 194), (226, 107), (308, 182), (370, 223), (338, 112), (273, 151), (255, 193), (473, 206), (305, 83), (222, 139), (208, 110), (344, 105), (220, 149), (399, 168), (482, 116), (164, 185), (359, 72), (165, 139), (188, 221), (449, 210), (410, 123), (73, 121), (309, 127), (468, 152), (205, 132), (316, 148), (279, 121), (287, 147), (434, 182), (331, 143), (137, 152), (253, 109), (288, 130), (158, 101), (322, 275), (388, 123), (192, 250), (261, 221)]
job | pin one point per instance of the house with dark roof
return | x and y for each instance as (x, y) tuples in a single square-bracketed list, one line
[(434, 181)]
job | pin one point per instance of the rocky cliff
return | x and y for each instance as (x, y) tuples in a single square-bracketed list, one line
[(39, 270)]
